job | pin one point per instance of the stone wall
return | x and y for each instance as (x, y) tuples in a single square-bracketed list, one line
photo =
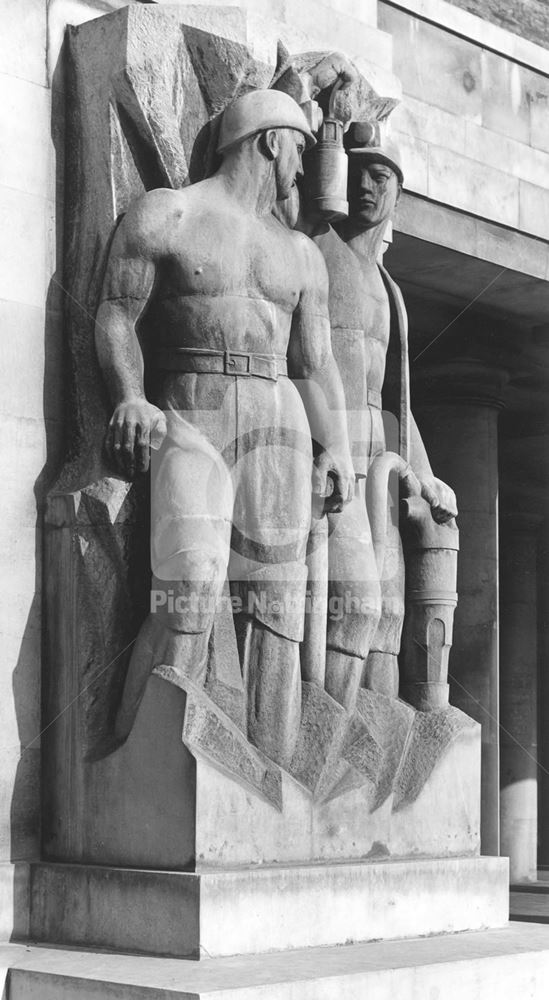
[(31, 394), (30, 415), (473, 122), (529, 18)]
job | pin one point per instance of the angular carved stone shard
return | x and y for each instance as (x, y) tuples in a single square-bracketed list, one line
[(432, 734), (208, 732)]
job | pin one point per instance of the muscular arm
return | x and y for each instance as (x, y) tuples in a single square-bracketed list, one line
[(440, 496), (127, 288), (312, 366)]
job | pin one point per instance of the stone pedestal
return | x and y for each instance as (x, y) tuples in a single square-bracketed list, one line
[(177, 857), (156, 804), (518, 698), (243, 912), (457, 407)]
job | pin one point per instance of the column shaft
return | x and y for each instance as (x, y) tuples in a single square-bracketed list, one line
[(460, 434), (518, 694)]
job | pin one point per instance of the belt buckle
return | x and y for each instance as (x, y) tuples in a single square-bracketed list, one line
[(230, 363)]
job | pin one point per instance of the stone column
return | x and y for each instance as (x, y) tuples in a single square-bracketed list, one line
[(543, 698), (518, 693), (456, 406)]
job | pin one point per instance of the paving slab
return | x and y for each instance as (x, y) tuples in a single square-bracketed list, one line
[(508, 963)]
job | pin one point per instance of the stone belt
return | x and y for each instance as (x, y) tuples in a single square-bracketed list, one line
[(212, 362)]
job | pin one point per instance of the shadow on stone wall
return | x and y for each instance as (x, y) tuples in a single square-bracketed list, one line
[(25, 810)]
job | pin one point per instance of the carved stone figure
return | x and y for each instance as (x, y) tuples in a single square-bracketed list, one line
[(208, 296), (214, 302), (369, 339)]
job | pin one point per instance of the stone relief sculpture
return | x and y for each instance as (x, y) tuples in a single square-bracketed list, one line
[(236, 308), (216, 326), (368, 318)]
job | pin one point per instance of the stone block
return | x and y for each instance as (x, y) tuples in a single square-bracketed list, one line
[(26, 246), (26, 152), (362, 10), (14, 901), (19, 803), (23, 449), (512, 250), (415, 161), (246, 912), (505, 101), (430, 124), (539, 112), (506, 154), (534, 209), (479, 29), (435, 223), (21, 652), (23, 40), (339, 31), (24, 350), (433, 65), (382, 80), (473, 187), (210, 819), (18, 583)]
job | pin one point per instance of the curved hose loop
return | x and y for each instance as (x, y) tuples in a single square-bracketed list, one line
[(377, 485)]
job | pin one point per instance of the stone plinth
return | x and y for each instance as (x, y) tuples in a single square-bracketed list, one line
[(152, 804), (243, 912)]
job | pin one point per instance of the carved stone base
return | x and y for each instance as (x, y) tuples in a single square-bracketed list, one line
[(152, 804), (249, 911)]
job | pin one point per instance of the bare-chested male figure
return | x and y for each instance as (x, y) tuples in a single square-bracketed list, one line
[(231, 304), (367, 312)]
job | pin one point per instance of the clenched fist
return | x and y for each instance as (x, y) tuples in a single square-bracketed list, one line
[(134, 428)]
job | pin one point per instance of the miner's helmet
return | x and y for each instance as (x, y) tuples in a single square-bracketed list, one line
[(259, 110), (361, 140)]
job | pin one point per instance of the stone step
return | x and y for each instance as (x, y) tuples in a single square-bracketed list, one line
[(539, 887), (508, 963), (530, 902)]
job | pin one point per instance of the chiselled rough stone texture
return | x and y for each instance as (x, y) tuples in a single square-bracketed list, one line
[(431, 733), (323, 729), (209, 732), (260, 815), (390, 722)]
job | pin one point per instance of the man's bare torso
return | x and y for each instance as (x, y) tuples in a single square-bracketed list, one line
[(225, 279), (359, 306)]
